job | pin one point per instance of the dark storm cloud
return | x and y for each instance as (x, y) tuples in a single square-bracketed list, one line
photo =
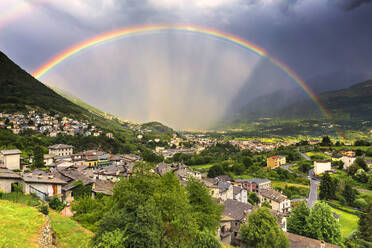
[(327, 43), (352, 4)]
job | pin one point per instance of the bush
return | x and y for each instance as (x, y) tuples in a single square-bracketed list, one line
[(56, 204), (2, 194), (360, 203), (44, 209)]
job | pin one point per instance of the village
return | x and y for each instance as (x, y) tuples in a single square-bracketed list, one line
[(98, 171), (49, 124)]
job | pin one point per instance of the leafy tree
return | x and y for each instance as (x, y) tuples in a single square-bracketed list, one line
[(266, 204), (349, 194), (215, 171), (38, 160), (150, 156), (204, 240), (205, 209), (262, 230), (238, 169), (327, 187), (247, 161), (365, 226), (326, 141), (304, 166), (369, 152), (361, 163), (338, 164), (56, 204), (254, 198), (360, 203), (113, 239), (361, 176), (322, 225), (298, 220)]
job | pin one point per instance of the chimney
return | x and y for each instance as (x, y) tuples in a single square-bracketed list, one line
[(322, 244)]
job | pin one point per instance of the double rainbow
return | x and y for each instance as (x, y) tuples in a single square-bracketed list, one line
[(127, 32)]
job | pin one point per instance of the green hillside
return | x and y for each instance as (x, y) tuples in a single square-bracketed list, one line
[(20, 225)]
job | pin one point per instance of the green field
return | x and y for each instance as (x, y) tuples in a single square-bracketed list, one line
[(348, 222), (69, 233), (20, 225)]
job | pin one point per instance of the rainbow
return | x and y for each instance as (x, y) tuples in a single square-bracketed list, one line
[(127, 32)]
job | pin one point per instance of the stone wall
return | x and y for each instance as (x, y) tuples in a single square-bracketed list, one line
[(47, 237)]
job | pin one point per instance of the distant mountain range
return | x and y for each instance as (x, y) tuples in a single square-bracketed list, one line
[(348, 107)]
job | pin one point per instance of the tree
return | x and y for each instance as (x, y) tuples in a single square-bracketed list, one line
[(266, 204), (322, 225), (338, 164), (247, 161), (38, 160), (326, 141), (361, 163), (262, 230), (349, 194), (365, 226), (327, 187), (238, 169), (215, 171), (113, 239), (369, 152), (298, 220), (205, 209), (254, 198), (204, 240)]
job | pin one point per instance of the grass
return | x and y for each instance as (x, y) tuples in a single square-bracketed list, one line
[(283, 184), (348, 222), (69, 233), (20, 225)]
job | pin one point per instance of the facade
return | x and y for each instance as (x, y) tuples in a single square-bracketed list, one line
[(348, 153), (275, 161), (277, 200), (240, 194), (321, 166), (7, 179), (43, 186), (348, 161), (255, 184), (10, 159), (61, 150)]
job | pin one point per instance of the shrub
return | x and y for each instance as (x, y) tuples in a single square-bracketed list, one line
[(2, 194), (44, 209), (56, 204)]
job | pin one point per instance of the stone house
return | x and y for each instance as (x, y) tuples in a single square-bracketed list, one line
[(240, 194), (61, 150), (255, 184), (234, 214), (44, 186), (10, 159), (7, 179), (321, 166), (348, 161), (277, 200)]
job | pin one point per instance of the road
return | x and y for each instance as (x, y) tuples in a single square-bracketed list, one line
[(314, 184), (286, 167)]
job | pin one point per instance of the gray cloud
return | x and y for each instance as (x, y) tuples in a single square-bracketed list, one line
[(318, 40)]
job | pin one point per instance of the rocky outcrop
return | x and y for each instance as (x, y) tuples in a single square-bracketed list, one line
[(47, 237)]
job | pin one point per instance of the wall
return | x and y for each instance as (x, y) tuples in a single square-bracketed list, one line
[(12, 162), (6, 184)]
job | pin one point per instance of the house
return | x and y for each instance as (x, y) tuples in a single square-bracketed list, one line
[(255, 184), (348, 161), (44, 186), (61, 164), (162, 168), (321, 166), (297, 241), (240, 194), (234, 214), (7, 179), (277, 200), (348, 153), (10, 159), (48, 159), (275, 161), (110, 173), (103, 187), (60, 150)]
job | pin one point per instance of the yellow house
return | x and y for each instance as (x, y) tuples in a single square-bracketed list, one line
[(348, 153), (275, 161)]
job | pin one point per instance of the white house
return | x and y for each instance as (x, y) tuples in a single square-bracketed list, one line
[(43, 186), (60, 150), (321, 166), (348, 161), (10, 159)]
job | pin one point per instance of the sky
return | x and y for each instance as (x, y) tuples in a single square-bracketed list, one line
[(188, 80)]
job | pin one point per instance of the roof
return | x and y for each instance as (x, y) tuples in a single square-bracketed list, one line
[(236, 190), (236, 210), (111, 170), (60, 146), (76, 175), (273, 195), (254, 180), (10, 152), (104, 187), (6, 173), (322, 161), (48, 179), (297, 241)]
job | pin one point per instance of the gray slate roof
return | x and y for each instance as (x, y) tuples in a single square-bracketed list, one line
[(10, 152), (6, 173), (236, 210)]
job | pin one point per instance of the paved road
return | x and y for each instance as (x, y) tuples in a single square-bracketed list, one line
[(286, 167), (314, 184)]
